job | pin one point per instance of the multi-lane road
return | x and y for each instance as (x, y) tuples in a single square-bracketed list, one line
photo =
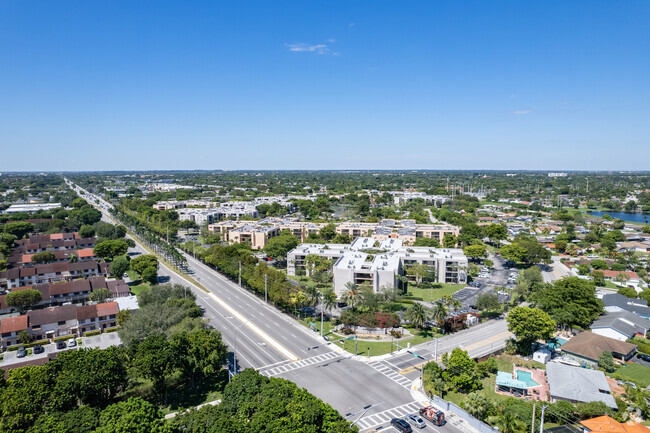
[(261, 337)]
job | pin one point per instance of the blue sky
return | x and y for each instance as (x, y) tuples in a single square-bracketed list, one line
[(88, 85)]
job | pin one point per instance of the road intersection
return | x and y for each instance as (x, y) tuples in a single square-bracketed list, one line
[(262, 337)]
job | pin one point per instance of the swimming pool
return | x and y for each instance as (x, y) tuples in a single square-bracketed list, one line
[(527, 378), (560, 342)]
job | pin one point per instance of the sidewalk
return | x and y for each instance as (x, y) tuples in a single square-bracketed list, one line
[(417, 393)]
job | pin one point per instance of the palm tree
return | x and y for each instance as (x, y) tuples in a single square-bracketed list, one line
[(508, 423), (313, 295), (439, 313), (329, 300), (417, 314), (352, 295)]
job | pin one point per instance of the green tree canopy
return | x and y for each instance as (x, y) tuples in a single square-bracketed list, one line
[(570, 301), (44, 257), (110, 249), (144, 261), (119, 266), (475, 251), (18, 228), (23, 299), (529, 325), (131, 416), (279, 246)]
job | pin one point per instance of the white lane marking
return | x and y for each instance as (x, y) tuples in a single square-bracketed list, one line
[(266, 337)]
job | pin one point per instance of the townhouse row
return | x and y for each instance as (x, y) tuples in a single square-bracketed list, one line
[(51, 272), (58, 321), (70, 292)]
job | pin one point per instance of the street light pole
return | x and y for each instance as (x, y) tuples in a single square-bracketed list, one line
[(240, 273), (266, 292)]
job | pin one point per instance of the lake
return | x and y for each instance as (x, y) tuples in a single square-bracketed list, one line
[(631, 217)]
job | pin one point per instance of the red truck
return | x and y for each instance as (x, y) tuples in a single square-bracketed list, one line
[(433, 415)]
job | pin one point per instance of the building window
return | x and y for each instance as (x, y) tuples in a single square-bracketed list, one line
[(62, 322)]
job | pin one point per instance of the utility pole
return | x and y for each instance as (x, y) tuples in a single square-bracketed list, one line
[(435, 358), (240, 273), (541, 422), (532, 428), (266, 296)]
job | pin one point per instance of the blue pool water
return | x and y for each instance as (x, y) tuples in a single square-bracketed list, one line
[(527, 378), (560, 342)]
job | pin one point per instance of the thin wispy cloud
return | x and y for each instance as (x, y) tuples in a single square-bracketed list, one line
[(321, 49), (520, 112), (307, 48)]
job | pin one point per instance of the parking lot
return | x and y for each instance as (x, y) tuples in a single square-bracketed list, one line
[(101, 341)]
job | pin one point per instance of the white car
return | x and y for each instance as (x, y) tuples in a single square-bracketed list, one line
[(415, 420)]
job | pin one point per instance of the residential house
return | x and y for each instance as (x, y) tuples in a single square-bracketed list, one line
[(606, 424), (616, 302), (10, 327), (578, 385), (586, 348), (621, 325), (97, 317)]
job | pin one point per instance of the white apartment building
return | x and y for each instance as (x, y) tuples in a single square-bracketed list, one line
[(378, 262)]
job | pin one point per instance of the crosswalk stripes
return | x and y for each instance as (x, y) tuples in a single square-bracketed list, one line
[(275, 371), (391, 374), (376, 419)]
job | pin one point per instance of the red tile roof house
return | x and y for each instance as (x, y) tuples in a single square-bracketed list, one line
[(9, 329), (96, 317), (59, 321), (75, 291), (611, 275), (53, 322)]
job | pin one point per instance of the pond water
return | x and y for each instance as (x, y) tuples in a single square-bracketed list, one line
[(642, 218)]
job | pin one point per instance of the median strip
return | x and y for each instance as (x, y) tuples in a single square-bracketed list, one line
[(266, 337)]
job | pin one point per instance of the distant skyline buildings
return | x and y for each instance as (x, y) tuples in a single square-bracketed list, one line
[(339, 85)]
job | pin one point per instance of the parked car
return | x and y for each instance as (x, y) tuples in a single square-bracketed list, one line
[(21, 352), (38, 349), (400, 425), (643, 356), (60, 345), (72, 342), (415, 420)]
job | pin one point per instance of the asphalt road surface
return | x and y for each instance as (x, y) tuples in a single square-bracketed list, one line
[(261, 337)]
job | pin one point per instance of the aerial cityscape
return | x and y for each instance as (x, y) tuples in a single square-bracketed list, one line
[(324, 217)]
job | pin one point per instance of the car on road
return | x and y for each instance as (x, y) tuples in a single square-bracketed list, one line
[(72, 342), (38, 349), (415, 420), (60, 345), (433, 415), (643, 356), (400, 425), (21, 352)]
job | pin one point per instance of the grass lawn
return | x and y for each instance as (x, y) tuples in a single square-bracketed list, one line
[(504, 363), (382, 347), (138, 285), (439, 290), (634, 372), (376, 347)]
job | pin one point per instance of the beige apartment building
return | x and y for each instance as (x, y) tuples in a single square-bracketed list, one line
[(258, 233)]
